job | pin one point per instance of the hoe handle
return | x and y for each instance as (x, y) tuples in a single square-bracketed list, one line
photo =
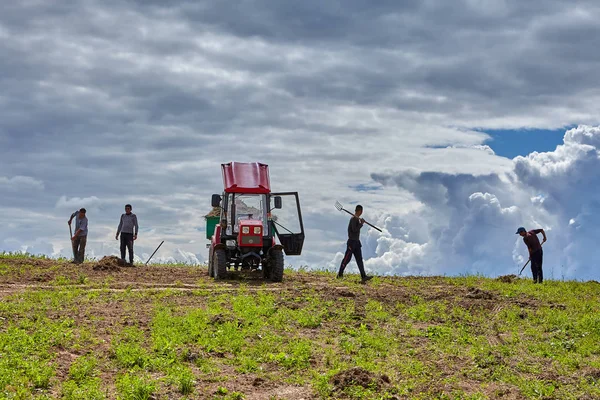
[(527, 263), (71, 239), (161, 243), (524, 266), (371, 225)]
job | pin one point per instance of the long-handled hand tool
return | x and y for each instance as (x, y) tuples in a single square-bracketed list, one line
[(154, 252), (341, 208), (527, 263), (71, 240)]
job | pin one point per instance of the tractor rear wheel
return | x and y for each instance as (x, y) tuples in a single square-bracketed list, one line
[(220, 264), (276, 265)]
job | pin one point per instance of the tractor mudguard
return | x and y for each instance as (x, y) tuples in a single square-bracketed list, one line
[(220, 246), (276, 247)]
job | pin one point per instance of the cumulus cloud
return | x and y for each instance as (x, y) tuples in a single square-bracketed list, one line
[(470, 220), (107, 103)]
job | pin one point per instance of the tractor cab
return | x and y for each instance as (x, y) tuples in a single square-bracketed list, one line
[(252, 222)]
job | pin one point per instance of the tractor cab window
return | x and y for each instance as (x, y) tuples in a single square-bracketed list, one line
[(245, 207)]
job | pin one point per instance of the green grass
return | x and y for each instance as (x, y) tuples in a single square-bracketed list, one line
[(78, 338)]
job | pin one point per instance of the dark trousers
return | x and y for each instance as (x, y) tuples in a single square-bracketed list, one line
[(536, 266), (127, 242), (79, 249), (353, 248)]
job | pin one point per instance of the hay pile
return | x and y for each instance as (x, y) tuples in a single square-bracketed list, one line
[(215, 212)]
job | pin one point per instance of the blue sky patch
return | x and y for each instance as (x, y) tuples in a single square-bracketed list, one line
[(520, 142)]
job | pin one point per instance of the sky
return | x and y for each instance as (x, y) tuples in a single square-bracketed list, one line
[(452, 124), (520, 142)]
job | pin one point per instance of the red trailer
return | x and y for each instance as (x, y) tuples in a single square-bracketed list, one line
[(256, 226)]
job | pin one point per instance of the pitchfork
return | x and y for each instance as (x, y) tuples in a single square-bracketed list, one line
[(341, 208)]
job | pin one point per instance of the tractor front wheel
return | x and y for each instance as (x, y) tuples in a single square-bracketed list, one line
[(276, 265), (219, 262), (210, 264)]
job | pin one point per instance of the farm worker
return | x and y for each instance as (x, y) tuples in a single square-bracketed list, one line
[(353, 246), (536, 253), (79, 239), (128, 228)]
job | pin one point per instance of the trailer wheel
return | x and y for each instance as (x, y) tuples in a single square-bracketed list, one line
[(220, 264), (276, 265)]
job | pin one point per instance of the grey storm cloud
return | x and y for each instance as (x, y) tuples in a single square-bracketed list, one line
[(140, 101)]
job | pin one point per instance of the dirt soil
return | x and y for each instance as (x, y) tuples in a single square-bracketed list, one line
[(476, 293), (108, 263), (507, 278), (358, 376), (107, 275)]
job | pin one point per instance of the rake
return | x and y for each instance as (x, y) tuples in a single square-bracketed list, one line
[(341, 208)]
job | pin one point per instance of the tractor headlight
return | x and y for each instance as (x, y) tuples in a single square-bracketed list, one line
[(257, 230), (230, 243), (246, 229)]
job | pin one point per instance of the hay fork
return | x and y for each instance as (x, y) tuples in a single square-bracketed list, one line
[(339, 207)]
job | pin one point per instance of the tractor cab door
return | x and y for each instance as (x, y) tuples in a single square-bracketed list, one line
[(286, 221)]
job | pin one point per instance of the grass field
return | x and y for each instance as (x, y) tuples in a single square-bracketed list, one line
[(170, 332)]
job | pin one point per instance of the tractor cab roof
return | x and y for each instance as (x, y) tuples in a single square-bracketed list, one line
[(250, 178)]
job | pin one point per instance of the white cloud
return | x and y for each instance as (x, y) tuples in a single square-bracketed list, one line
[(472, 231), (20, 183)]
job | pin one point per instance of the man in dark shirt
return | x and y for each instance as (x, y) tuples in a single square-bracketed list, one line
[(354, 246), (535, 251)]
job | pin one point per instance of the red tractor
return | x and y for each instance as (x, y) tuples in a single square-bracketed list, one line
[(251, 218)]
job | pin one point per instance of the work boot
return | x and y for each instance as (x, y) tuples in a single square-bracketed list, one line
[(366, 278)]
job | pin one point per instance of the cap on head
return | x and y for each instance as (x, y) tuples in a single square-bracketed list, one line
[(82, 210), (520, 230)]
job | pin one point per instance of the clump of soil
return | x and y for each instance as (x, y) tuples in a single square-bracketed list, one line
[(476, 293), (345, 293), (358, 376), (220, 319), (108, 263), (42, 277), (507, 278), (258, 382), (593, 375), (190, 356)]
